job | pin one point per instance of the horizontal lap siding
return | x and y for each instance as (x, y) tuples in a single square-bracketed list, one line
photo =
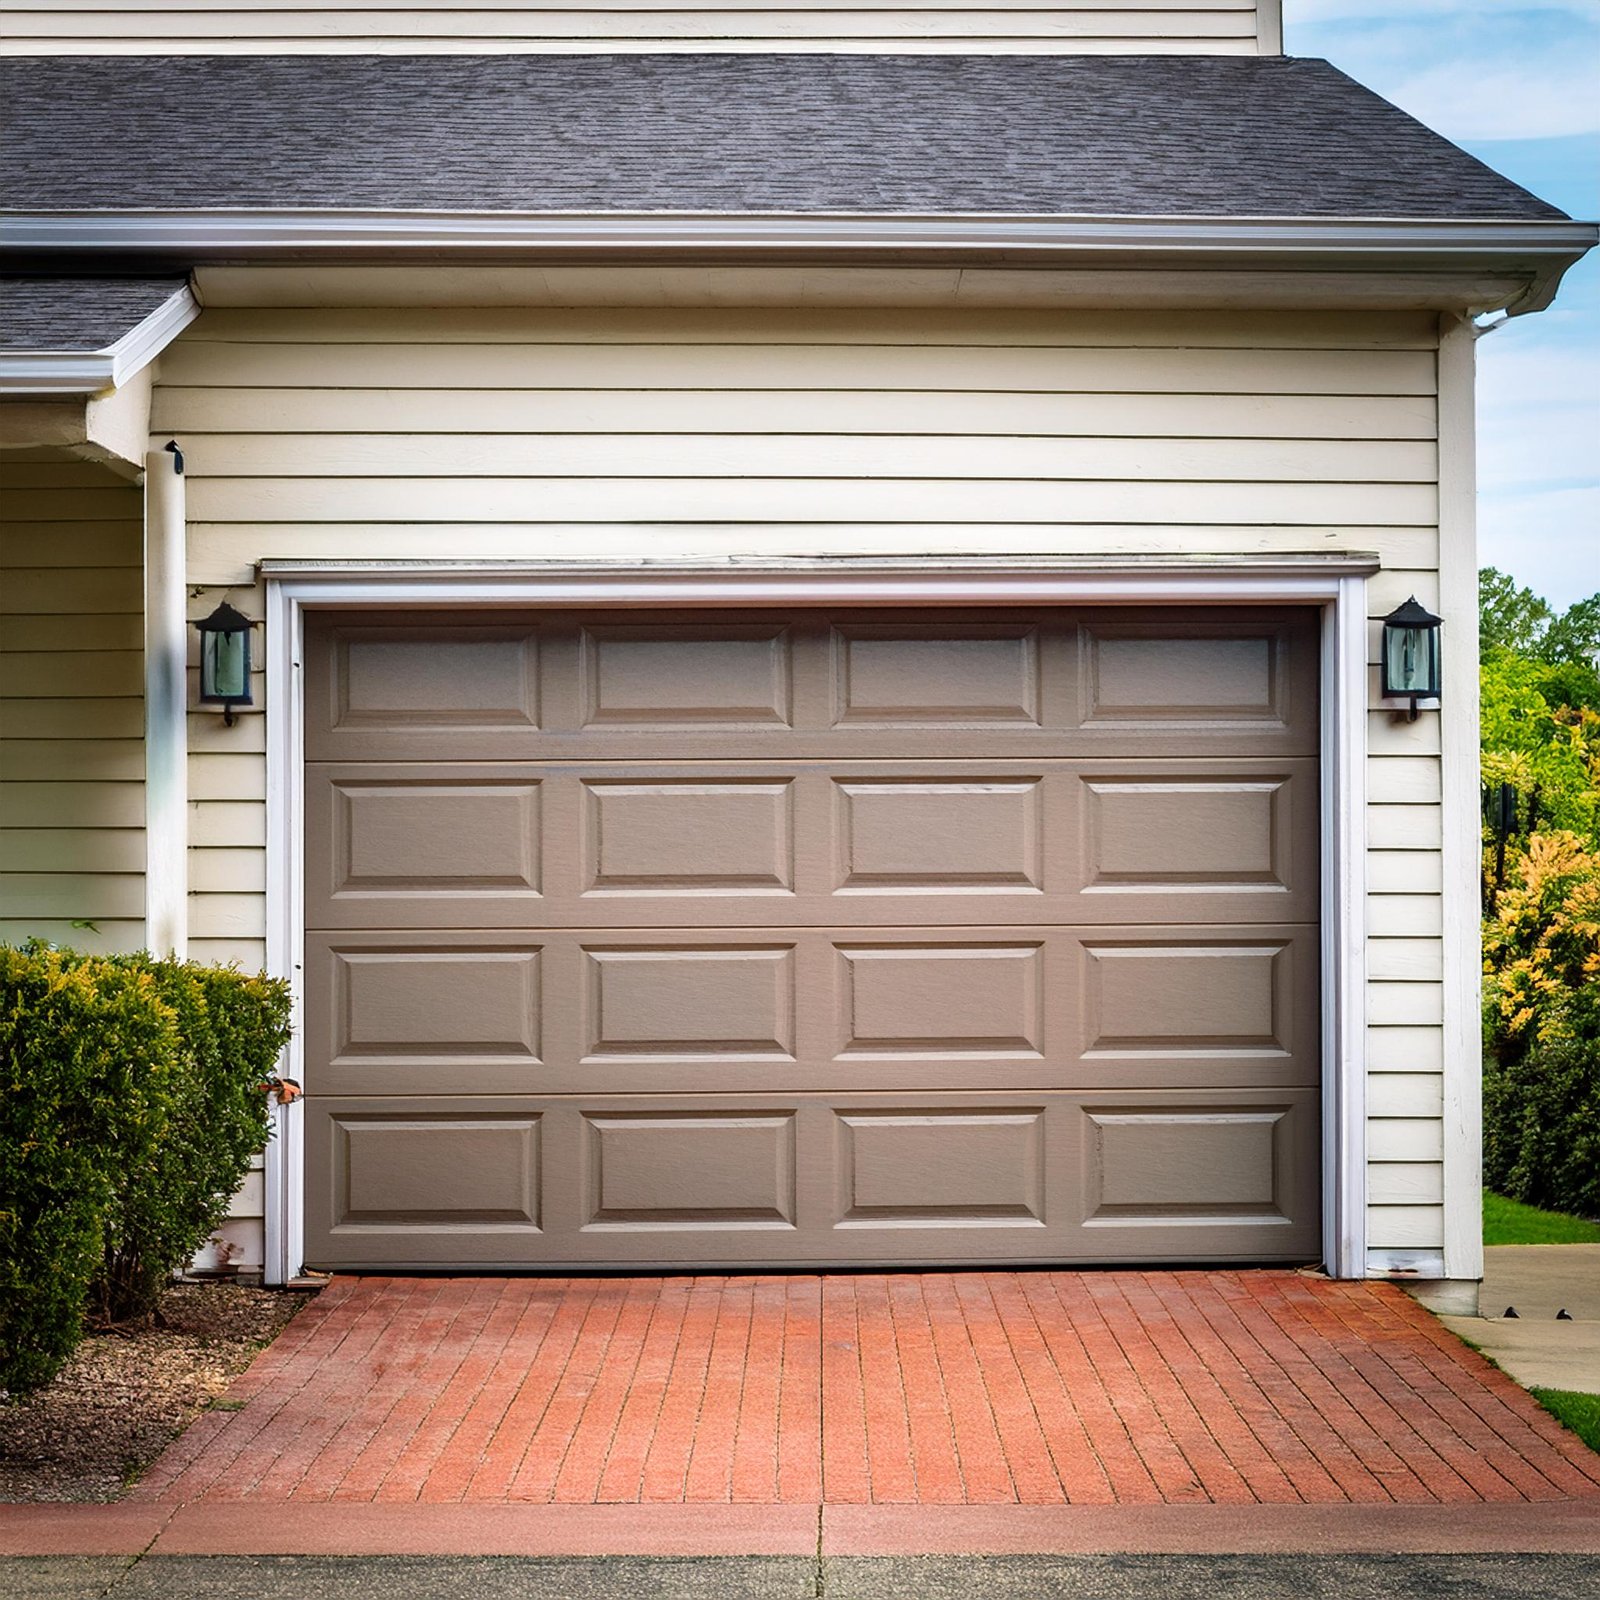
[(92, 27), (622, 433), (71, 704)]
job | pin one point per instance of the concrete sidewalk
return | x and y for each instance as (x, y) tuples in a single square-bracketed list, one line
[(1539, 1280)]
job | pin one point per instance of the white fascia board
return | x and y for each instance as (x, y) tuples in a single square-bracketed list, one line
[(79, 372)]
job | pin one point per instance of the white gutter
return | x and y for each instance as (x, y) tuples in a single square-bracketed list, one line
[(256, 234), (1536, 252), (80, 372)]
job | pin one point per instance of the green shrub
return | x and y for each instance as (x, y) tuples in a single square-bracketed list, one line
[(131, 1103), (1541, 1118), (85, 1049), (231, 1028)]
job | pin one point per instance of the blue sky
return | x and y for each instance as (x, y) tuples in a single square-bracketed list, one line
[(1518, 86)]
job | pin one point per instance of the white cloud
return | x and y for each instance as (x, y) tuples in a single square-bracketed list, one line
[(1541, 96), (1473, 69), (1299, 11), (1546, 538), (1538, 417)]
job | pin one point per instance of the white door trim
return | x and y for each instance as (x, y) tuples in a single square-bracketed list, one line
[(1338, 586)]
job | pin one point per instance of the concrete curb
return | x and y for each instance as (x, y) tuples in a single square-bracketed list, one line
[(1553, 1527)]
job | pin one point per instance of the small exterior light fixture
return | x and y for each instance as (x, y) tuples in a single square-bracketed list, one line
[(225, 660), (1411, 654)]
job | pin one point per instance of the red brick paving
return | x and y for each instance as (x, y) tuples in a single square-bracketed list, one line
[(974, 1388)]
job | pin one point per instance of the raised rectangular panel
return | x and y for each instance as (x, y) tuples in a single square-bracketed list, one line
[(1180, 1163), (466, 836), (1184, 834), (1173, 997), (680, 836), (1154, 674), (918, 834), (952, 674), (955, 1167), (665, 677), (466, 1170), (469, 677), (941, 1000), (414, 1004), (688, 1170), (690, 1002)]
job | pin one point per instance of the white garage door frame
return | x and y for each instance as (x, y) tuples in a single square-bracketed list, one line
[(1335, 585)]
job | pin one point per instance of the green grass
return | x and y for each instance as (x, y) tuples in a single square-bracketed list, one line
[(1580, 1412), (1511, 1222)]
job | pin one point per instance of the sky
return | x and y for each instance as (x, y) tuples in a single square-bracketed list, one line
[(1519, 87)]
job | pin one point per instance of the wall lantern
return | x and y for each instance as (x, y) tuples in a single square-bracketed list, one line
[(1411, 654), (225, 660)]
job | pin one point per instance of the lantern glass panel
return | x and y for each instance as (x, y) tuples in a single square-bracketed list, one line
[(1411, 660), (229, 653)]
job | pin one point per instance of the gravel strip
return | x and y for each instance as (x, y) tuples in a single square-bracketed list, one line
[(126, 1395)]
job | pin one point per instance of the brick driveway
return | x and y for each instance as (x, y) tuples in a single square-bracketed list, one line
[(1039, 1388)]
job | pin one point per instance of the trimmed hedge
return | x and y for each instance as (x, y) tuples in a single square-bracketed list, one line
[(131, 1102)]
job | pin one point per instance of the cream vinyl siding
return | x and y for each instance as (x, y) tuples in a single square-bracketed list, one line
[(630, 434), (203, 27), (71, 703)]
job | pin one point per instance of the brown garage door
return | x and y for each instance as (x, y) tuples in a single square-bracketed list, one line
[(811, 938)]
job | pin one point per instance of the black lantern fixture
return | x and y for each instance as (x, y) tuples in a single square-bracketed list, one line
[(225, 660), (1411, 654)]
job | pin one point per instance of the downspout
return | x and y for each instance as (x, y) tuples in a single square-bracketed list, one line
[(166, 774)]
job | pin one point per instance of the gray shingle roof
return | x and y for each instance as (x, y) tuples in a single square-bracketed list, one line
[(1089, 135), (82, 314)]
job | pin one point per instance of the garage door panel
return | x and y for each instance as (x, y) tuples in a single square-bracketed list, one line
[(914, 1166), (1024, 684), (423, 836), (812, 1181), (941, 1000), (1200, 1167), (432, 684), (939, 674), (426, 1017), (1193, 676), (968, 832), (397, 1170), (1187, 996), (1210, 835), (650, 677), (468, 844), (688, 835), (689, 1003), (686, 1170), (695, 1011)]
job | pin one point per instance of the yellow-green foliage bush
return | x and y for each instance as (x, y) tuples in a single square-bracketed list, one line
[(1542, 1028), (131, 1103)]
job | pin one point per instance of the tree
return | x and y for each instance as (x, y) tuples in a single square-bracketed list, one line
[(1539, 722), (1514, 618)]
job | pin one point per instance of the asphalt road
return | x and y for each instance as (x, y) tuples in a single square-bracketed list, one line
[(1117, 1577)]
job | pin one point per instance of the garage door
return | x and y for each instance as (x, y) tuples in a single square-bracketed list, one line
[(725, 939)]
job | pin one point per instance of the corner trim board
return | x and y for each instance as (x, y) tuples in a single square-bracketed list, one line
[(1459, 759)]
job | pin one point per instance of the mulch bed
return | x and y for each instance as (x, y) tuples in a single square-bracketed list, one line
[(126, 1394)]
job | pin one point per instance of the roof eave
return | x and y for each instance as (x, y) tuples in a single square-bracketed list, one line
[(61, 374)]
